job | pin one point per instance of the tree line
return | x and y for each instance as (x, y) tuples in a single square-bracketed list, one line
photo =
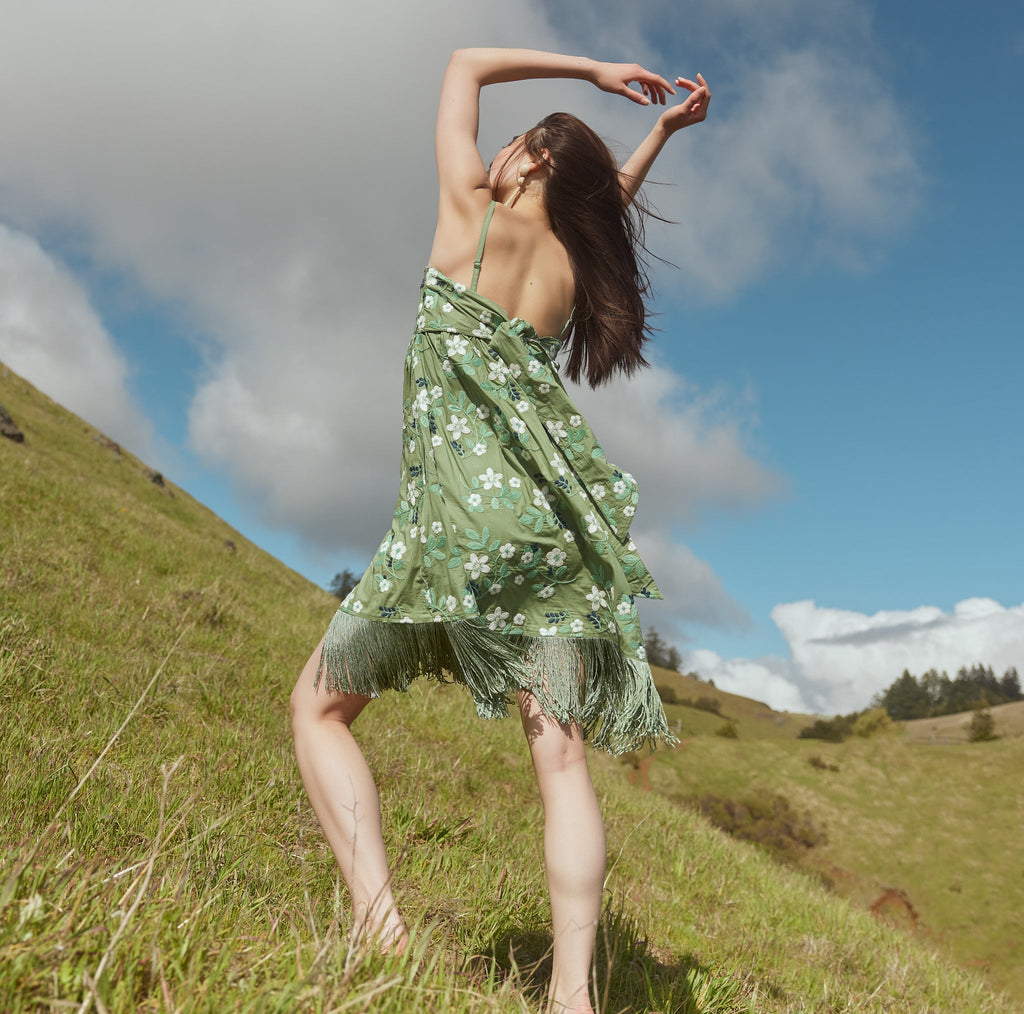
[(934, 693)]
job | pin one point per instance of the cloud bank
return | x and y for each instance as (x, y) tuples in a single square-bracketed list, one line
[(268, 169), (49, 330), (839, 659)]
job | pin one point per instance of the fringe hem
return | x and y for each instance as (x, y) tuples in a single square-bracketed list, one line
[(584, 680)]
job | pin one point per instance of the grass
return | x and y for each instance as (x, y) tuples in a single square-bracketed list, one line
[(930, 824), (159, 853)]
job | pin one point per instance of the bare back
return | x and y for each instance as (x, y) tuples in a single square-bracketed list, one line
[(525, 269)]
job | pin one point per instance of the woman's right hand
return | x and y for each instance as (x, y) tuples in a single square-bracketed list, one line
[(617, 77)]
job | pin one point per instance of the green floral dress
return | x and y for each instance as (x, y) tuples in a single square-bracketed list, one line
[(508, 564)]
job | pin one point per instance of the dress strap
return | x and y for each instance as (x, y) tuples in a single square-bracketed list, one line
[(565, 326), (480, 246)]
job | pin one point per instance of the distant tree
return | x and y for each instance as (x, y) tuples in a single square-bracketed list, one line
[(659, 653), (341, 584), (1009, 685), (832, 730)]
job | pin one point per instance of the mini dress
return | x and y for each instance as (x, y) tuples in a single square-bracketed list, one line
[(508, 565)]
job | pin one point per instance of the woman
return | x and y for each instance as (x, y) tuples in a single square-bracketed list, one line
[(508, 566)]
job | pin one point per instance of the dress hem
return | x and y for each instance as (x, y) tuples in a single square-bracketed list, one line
[(586, 680)]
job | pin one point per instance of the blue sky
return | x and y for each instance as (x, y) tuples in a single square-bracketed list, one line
[(211, 231)]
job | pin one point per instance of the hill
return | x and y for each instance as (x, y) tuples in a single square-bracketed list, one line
[(159, 852)]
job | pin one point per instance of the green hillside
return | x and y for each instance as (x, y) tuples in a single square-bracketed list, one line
[(159, 854)]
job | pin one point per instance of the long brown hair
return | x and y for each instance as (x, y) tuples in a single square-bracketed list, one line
[(603, 234)]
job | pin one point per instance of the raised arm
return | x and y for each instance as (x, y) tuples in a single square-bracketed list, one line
[(692, 109), (461, 170)]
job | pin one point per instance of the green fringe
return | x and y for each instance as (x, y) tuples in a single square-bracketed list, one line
[(585, 680)]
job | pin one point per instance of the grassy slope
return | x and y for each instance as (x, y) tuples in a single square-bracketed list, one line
[(188, 873)]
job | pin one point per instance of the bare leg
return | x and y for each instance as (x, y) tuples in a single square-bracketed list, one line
[(344, 798), (574, 852)]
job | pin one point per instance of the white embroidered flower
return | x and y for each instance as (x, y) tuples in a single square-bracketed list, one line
[(357, 606), (436, 440), (431, 276), (593, 525), (548, 631), (516, 370), (540, 498), (428, 300), (495, 588), (576, 626), (575, 420), (624, 608), (641, 652), (452, 603), (468, 601), (383, 547), (447, 308), (568, 536), (611, 627), (446, 365), (483, 331), (474, 500), (598, 492), (556, 462), (422, 402), (412, 491), (421, 322), (435, 393), (543, 388), (631, 546), (546, 592), (397, 550), (497, 618), (598, 597), (522, 406), (514, 481), (629, 510), (384, 584), (438, 618), (437, 527), (518, 620), (414, 531), (477, 565), (619, 487), (527, 557), (459, 287), (458, 426), (412, 446), (533, 367), (507, 551), (479, 448), (517, 425), (406, 619), (555, 557), (456, 345), (482, 412), (557, 430), (518, 579), (498, 372), (491, 479)]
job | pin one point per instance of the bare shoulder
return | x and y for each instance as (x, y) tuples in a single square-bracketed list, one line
[(458, 231)]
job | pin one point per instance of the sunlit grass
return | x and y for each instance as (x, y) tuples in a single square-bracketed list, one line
[(159, 853)]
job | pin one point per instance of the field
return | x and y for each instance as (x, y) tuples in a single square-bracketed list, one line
[(159, 854)]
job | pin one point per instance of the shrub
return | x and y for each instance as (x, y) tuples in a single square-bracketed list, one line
[(728, 730), (875, 722), (667, 695), (769, 821), (832, 730), (983, 727)]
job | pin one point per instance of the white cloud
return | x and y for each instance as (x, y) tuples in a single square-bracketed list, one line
[(51, 335), (839, 659)]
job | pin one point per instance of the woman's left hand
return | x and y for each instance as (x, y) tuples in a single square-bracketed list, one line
[(692, 110)]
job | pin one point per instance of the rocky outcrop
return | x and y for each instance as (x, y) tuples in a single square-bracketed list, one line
[(9, 428)]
